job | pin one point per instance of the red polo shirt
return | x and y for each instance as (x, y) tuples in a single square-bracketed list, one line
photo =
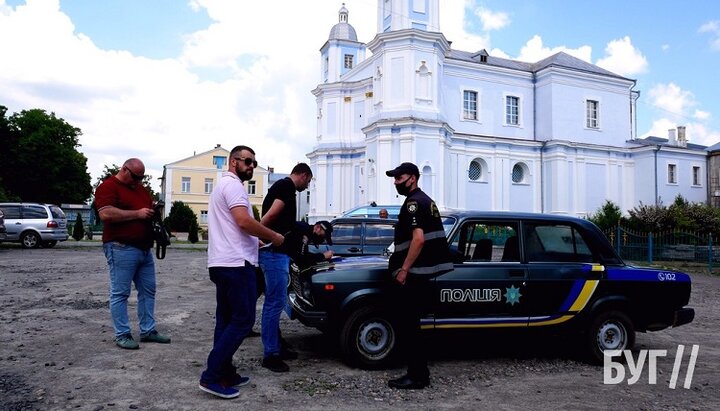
[(113, 192)]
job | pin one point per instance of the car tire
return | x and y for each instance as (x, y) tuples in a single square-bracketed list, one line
[(368, 339), (609, 330), (49, 243), (30, 239)]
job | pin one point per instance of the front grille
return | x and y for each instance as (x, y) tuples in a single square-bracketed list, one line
[(295, 282)]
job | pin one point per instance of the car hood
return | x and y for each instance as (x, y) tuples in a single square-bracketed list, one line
[(346, 263)]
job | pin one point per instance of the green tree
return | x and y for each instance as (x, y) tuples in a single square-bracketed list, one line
[(607, 216), (78, 230), (180, 217), (193, 234), (39, 160), (256, 213)]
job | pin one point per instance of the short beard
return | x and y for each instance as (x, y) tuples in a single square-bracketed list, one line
[(244, 176)]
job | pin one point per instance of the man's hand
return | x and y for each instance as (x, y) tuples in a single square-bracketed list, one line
[(278, 239), (401, 275), (328, 254), (145, 213)]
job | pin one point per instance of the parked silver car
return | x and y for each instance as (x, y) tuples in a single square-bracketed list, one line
[(34, 224), (2, 226)]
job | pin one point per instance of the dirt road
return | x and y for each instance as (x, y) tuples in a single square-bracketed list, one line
[(56, 353)]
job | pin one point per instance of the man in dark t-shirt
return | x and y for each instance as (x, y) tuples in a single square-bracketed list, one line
[(421, 253), (279, 214), (126, 209)]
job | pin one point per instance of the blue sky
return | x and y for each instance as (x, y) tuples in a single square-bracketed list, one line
[(163, 79)]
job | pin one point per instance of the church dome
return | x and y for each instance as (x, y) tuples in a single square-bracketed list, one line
[(343, 30)]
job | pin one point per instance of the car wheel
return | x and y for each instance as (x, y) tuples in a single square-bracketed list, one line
[(49, 243), (30, 239), (368, 338), (610, 330)]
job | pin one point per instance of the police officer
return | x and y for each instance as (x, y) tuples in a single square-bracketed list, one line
[(421, 253)]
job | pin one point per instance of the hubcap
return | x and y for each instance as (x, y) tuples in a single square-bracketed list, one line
[(374, 338), (612, 336)]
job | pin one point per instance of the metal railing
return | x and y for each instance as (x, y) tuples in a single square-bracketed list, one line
[(674, 245)]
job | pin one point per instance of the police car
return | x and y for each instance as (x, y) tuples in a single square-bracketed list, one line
[(511, 270)]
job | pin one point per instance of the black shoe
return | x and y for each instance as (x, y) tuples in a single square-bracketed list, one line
[(275, 363), (407, 383), (287, 354), (253, 333)]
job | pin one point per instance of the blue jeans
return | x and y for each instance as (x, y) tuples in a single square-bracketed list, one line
[(276, 267), (131, 265), (234, 318)]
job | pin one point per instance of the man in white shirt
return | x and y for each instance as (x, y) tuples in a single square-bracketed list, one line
[(232, 260)]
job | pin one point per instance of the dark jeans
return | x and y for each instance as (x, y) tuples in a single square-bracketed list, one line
[(234, 318), (410, 300)]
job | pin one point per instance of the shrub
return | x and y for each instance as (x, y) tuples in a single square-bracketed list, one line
[(607, 216), (193, 234), (78, 229), (180, 217)]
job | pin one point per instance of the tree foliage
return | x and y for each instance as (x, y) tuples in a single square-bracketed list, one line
[(39, 160), (180, 218), (607, 216)]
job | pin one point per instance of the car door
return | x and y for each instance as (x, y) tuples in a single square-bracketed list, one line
[(347, 238), (563, 273), (377, 237), (487, 287), (13, 222)]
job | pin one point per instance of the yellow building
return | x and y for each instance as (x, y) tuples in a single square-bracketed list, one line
[(191, 180)]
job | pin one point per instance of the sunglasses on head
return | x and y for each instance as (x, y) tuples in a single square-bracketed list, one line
[(248, 161), (134, 176)]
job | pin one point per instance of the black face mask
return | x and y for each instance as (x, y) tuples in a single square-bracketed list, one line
[(402, 188)]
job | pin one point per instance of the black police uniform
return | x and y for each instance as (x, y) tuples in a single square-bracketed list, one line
[(418, 211)]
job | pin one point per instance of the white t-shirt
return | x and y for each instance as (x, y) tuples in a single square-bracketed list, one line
[(228, 244)]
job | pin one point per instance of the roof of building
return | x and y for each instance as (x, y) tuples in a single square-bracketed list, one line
[(343, 30), (654, 141), (560, 59)]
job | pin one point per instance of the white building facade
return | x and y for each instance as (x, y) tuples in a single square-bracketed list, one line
[(555, 136)]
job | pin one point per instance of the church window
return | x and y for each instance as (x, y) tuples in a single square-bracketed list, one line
[(470, 105), (592, 116), (512, 110), (348, 61)]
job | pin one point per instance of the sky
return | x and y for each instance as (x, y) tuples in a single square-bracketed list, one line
[(164, 79)]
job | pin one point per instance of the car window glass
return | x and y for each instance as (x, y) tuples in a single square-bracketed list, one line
[(30, 212), (378, 233), (557, 242), (346, 233), (11, 212), (486, 241), (57, 212)]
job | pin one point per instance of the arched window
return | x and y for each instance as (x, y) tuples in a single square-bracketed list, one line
[(477, 170), (520, 173)]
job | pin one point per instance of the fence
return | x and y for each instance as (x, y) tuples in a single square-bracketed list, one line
[(666, 246)]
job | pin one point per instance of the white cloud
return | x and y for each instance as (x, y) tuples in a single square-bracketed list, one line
[(672, 99), (623, 58), (701, 115), (534, 51), (676, 105), (665, 47), (712, 27), (492, 20)]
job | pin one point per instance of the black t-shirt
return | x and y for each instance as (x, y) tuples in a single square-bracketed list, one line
[(296, 245), (420, 211), (283, 190)]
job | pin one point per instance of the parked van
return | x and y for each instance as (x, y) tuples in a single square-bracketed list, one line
[(34, 224)]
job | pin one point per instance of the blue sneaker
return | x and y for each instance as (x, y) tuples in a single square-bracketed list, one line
[(235, 381), (219, 390)]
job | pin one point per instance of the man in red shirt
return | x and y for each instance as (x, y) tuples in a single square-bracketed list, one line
[(126, 209)]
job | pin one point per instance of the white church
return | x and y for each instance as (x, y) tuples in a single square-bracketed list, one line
[(487, 133)]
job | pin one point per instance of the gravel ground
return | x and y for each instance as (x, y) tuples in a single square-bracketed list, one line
[(56, 352)]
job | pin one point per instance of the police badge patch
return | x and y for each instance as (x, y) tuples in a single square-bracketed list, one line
[(412, 207)]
